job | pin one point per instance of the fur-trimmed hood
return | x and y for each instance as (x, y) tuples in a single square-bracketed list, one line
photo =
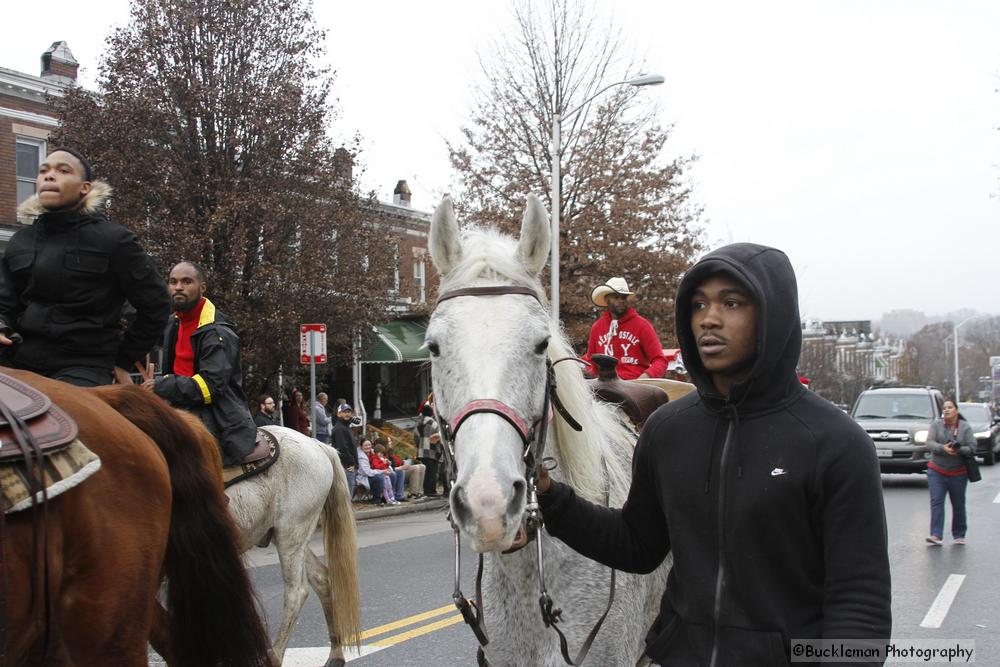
[(92, 204)]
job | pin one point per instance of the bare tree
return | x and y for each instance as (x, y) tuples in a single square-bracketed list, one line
[(211, 124), (625, 209)]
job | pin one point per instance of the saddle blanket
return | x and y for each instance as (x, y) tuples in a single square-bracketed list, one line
[(64, 469)]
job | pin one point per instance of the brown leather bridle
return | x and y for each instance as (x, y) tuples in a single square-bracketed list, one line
[(533, 438)]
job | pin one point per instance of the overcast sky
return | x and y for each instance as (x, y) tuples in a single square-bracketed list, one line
[(858, 136)]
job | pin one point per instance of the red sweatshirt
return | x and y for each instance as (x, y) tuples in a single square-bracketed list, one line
[(632, 341)]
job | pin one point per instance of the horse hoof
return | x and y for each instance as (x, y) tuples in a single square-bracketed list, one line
[(335, 662)]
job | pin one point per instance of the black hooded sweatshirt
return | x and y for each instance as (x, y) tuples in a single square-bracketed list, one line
[(770, 500)]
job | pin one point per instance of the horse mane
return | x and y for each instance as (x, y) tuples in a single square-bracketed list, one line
[(596, 461)]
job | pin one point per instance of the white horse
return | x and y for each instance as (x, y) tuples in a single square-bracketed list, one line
[(495, 347), (305, 483)]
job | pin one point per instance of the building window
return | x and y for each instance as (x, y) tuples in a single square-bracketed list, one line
[(395, 269), (30, 153), (420, 278)]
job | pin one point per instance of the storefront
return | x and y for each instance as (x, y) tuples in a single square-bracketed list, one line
[(393, 375)]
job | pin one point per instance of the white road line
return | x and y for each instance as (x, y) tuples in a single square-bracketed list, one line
[(942, 603), (310, 657), (997, 499)]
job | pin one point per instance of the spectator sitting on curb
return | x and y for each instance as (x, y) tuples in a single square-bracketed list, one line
[(414, 470), (370, 479), (380, 462)]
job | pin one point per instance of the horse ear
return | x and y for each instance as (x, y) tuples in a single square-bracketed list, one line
[(446, 249), (533, 246)]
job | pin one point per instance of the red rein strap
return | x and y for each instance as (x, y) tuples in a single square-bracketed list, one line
[(495, 407)]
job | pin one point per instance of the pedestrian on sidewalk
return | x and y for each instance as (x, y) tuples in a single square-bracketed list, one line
[(346, 444), (265, 411), (322, 421), (429, 448), (295, 412)]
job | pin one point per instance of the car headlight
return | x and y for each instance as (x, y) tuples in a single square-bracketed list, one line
[(920, 437), (982, 435)]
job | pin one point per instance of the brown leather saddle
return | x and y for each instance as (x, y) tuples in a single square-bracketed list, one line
[(636, 400), (27, 411), (263, 456)]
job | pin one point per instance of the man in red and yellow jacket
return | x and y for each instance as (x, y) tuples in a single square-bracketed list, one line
[(624, 334), (201, 365)]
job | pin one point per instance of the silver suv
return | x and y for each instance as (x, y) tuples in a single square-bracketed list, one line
[(897, 419)]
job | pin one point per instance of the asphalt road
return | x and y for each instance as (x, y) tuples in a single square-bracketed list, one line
[(406, 569)]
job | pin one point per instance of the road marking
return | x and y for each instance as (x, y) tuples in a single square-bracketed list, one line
[(409, 620), (317, 655), (997, 499), (417, 632), (942, 603)]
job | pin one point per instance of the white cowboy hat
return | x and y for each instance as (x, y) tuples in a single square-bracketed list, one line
[(601, 292)]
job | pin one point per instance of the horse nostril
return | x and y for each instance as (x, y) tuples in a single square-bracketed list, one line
[(460, 505), (518, 499)]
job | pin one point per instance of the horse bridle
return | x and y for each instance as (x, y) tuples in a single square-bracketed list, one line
[(533, 438)]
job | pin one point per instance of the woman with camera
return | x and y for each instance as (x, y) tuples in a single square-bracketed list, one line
[(949, 440)]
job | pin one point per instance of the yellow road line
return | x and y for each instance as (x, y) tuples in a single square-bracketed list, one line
[(409, 620), (416, 632)]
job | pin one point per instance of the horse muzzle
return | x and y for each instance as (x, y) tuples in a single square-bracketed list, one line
[(489, 513)]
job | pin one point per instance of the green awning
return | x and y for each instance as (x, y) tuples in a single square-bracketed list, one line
[(398, 342)]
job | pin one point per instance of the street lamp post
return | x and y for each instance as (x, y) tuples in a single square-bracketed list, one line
[(556, 195), (955, 333)]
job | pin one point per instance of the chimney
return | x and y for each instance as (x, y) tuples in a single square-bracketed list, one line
[(343, 167), (59, 65), (401, 195)]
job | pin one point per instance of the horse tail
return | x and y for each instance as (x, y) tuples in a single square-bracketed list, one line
[(211, 611), (340, 542)]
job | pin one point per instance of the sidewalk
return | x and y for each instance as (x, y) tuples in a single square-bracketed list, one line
[(365, 511)]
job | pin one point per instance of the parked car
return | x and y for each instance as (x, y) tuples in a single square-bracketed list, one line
[(897, 420), (986, 429)]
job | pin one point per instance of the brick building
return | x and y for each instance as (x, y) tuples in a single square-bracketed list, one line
[(25, 122), (391, 376)]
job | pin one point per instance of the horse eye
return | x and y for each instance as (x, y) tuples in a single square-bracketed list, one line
[(433, 347), (542, 346)]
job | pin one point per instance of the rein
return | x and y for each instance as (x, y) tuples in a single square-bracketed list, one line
[(533, 439)]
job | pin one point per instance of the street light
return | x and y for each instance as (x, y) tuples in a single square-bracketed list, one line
[(557, 118), (955, 332)]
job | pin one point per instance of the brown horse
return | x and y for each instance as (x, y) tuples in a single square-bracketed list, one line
[(155, 508)]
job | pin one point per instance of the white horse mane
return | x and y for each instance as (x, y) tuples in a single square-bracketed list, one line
[(595, 461)]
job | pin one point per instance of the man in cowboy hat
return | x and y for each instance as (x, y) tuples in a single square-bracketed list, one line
[(624, 334)]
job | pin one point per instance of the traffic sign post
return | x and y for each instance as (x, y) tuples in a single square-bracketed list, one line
[(312, 351)]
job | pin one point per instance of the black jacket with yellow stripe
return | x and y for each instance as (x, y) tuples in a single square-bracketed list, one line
[(215, 391)]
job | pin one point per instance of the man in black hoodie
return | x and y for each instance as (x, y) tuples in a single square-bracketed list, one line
[(65, 279), (768, 496)]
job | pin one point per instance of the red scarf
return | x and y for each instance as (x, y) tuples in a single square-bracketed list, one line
[(183, 352)]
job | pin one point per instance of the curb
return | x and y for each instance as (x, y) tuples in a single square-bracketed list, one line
[(409, 507)]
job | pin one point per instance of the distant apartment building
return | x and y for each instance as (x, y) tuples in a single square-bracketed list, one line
[(26, 119), (840, 358)]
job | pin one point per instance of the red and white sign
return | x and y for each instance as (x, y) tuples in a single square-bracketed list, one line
[(317, 353)]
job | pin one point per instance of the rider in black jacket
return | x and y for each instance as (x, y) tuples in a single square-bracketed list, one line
[(201, 365), (768, 496), (65, 279)]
